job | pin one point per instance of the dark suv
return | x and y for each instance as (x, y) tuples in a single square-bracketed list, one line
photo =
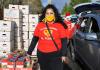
[(86, 41)]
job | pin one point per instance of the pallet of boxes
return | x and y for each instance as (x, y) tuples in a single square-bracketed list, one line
[(16, 32)]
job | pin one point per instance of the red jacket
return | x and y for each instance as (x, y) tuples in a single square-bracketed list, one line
[(45, 43), (71, 29)]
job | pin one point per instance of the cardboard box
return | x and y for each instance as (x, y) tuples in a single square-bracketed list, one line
[(34, 53), (18, 39), (18, 42), (6, 36), (25, 27), (4, 53), (18, 22), (26, 43), (30, 41), (32, 26), (31, 35), (18, 32), (18, 45), (24, 9), (25, 18), (6, 25), (12, 13), (9, 46), (26, 48), (11, 6), (33, 18), (25, 35)]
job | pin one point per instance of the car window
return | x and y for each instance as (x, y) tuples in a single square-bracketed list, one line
[(95, 27), (84, 25), (89, 25)]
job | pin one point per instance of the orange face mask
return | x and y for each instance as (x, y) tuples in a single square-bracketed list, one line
[(49, 18)]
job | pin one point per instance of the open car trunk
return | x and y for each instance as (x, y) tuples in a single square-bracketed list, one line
[(86, 7)]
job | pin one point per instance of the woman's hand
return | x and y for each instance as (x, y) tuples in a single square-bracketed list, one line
[(65, 59)]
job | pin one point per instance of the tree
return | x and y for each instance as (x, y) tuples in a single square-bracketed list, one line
[(34, 5), (4, 4), (69, 8)]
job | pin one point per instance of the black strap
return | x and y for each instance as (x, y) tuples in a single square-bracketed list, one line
[(52, 36)]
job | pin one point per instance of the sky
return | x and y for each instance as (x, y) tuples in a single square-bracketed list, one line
[(58, 3)]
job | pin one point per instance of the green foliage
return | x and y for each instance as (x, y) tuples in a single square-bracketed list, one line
[(69, 8), (35, 5)]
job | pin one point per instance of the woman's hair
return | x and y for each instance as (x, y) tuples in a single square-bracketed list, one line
[(58, 18)]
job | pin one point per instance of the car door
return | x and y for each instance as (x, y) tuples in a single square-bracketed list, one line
[(94, 44), (87, 49)]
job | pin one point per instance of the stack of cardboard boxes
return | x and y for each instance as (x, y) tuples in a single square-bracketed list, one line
[(15, 15), (25, 24), (33, 21), (6, 37), (16, 32)]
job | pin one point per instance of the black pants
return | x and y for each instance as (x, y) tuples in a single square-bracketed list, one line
[(50, 62)]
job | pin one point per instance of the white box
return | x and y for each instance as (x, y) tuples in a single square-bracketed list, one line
[(34, 52), (7, 36), (4, 47), (6, 25), (18, 32), (25, 35), (11, 6), (26, 48), (25, 27), (31, 35), (26, 43), (8, 46), (18, 39), (30, 41), (25, 18), (18, 45), (24, 9), (34, 18), (32, 26), (18, 22), (4, 53), (12, 13)]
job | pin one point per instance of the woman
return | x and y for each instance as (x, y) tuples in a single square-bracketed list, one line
[(49, 57)]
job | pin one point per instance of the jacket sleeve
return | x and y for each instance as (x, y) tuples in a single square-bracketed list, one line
[(32, 45), (64, 46)]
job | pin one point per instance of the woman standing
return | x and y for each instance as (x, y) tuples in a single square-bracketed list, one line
[(50, 56)]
